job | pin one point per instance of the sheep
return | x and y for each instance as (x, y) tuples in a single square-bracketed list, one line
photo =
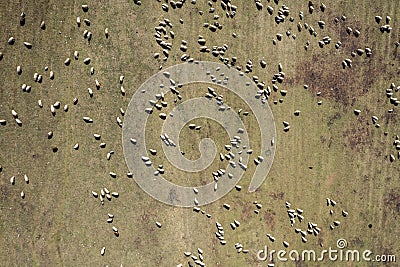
[(22, 19), (97, 84), (104, 191), (271, 238), (103, 250), (119, 121), (11, 40), (85, 8), (95, 194), (27, 89), (14, 113), (87, 61), (28, 45), (87, 119), (12, 180), (57, 104)]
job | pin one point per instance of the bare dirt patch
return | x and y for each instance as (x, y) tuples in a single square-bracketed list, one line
[(359, 136), (323, 72), (269, 218), (327, 76), (392, 203)]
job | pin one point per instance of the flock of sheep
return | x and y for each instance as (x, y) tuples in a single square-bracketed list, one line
[(236, 153)]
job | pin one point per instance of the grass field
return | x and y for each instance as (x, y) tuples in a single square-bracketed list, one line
[(329, 152)]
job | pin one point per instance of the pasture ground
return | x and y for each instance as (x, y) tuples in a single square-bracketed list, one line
[(328, 152)]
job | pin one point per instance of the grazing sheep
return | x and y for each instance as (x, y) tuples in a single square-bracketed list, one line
[(28, 45), (87, 119), (14, 113), (11, 40)]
